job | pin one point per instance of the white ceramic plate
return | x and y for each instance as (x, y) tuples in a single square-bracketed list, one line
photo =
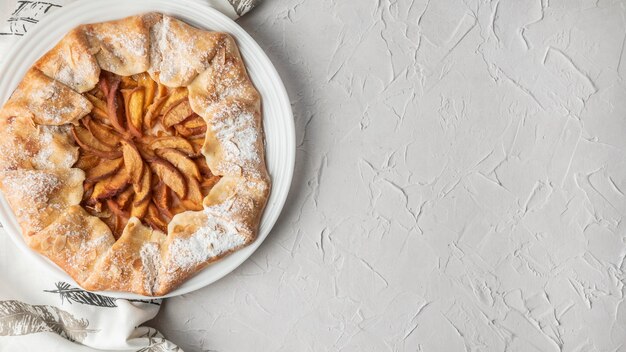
[(277, 115)]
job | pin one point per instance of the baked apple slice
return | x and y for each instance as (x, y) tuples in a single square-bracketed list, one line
[(175, 96), (111, 186), (87, 141), (128, 82), (116, 209), (153, 217), (134, 100), (152, 112), (150, 87), (132, 161), (163, 199), (203, 167), (170, 176), (181, 161), (103, 133), (86, 160), (103, 170), (177, 114), (173, 142), (193, 201), (114, 107), (124, 198)]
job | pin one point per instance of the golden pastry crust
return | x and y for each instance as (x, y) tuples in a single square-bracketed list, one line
[(71, 62), (37, 154), (45, 101)]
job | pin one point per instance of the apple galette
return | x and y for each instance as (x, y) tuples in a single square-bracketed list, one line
[(132, 153)]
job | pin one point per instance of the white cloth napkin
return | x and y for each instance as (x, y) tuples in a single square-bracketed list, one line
[(39, 312)]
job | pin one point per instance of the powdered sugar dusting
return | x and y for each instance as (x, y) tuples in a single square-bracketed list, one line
[(173, 56), (41, 101), (70, 230), (151, 261), (237, 132), (39, 147), (65, 75), (87, 251), (230, 84), (76, 76), (33, 188), (53, 152), (135, 45), (31, 184), (216, 237), (52, 108), (83, 237), (12, 151)]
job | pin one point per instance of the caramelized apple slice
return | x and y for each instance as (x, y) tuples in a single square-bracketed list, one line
[(142, 189), (180, 161), (113, 108), (97, 92), (103, 170), (100, 116), (170, 176), (152, 112), (145, 151), (103, 85), (124, 198), (87, 189), (132, 161), (162, 90), (190, 132), (120, 224), (139, 209), (177, 114), (150, 86), (87, 141), (197, 144), (96, 102), (193, 201), (134, 110), (153, 218), (103, 133), (173, 142), (128, 83), (163, 199), (208, 183), (116, 209), (203, 167), (141, 200), (86, 160), (175, 96), (111, 186), (194, 121)]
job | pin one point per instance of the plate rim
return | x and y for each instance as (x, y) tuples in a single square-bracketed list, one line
[(246, 43)]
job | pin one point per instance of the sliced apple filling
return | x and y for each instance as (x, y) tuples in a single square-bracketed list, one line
[(140, 150)]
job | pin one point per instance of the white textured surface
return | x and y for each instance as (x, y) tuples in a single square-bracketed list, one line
[(459, 184)]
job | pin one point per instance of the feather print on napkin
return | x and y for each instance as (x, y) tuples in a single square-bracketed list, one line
[(26, 14), (74, 294), (19, 318), (71, 294), (243, 6), (157, 343)]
